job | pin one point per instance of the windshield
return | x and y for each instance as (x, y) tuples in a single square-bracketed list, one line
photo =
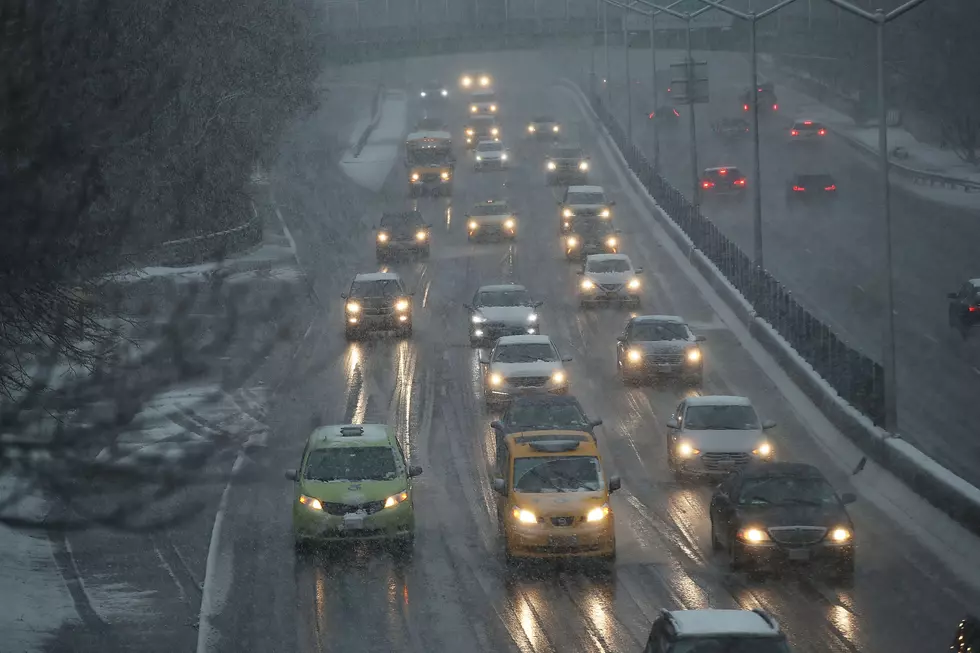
[(721, 418), (609, 265), (430, 125), (429, 155), (658, 331), (557, 474), (396, 220), (484, 97), (731, 645), (567, 153), (525, 353), (592, 228), (585, 198), (351, 464), (503, 298), (379, 288), (546, 415), (787, 490), (497, 208), (490, 147), (542, 119), (729, 173)]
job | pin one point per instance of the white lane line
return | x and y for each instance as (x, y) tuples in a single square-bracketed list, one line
[(977, 371), (930, 338)]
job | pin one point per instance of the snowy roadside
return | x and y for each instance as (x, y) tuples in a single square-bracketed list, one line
[(373, 164)]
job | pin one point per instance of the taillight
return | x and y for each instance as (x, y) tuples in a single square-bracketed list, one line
[(974, 309), (798, 189), (652, 114), (775, 107), (707, 184), (831, 187), (676, 113), (722, 172), (739, 182), (807, 122), (822, 132), (745, 107), (794, 133)]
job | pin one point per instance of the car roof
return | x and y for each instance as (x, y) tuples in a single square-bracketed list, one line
[(607, 257), (673, 319), (701, 623), (378, 276), (500, 287), (351, 435), (763, 470), (559, 400), (489, 143), (524, 340), (571, 442), (586, 189), (720, 168), (718, 400)]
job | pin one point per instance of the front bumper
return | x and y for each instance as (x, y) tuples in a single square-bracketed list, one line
[(389, 523), (716, 465), (412, 245), (507, 391), (423, 183), (650, 367), (600, 294), (394, 320), (491, 230), (490, 332), (573, 175), (771, 554), (583, 541), (490, 164)]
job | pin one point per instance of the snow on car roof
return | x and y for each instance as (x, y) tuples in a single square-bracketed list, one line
[(676, 319), (414, 136), (700, 623), (377, 276), (975, 282), (524, 340), (585, 189), (501, 287), (371, 434), (718, 400), (607, 257), (720, 168)]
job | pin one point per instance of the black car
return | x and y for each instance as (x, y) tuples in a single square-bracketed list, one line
[(402, 232), (768, 103), (377, 301), (724, 180), (665, 115), (567, 164), (967, 638), (434, 92), (774, 513), (481, 128), (539, 413), (964, 307), (590, 235), (732, 128), (657, 346), (544, 128), (811, 187)]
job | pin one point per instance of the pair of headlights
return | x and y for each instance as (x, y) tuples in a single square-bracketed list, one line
[(401, 306), (568, 213), (442, 175), (572, 242), (589, 284), (558, 377), (419, 236), (509, 225), (317, 505), (754, 535), (525, 516), (479, 319), (503, 157), (693, 355), (687, 450)]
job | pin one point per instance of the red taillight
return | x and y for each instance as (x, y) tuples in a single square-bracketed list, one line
[(798, 189), (676, 113), (807, 122), (745, 107), (832, 187), (973, 309), (775, 107), (707, 184), (668, 89), (794, 133), (722, 172), (822, 132), (739, 182), (652, 114)]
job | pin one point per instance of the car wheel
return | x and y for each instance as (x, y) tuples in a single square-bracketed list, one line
[(405, 331), (736, 557), (404, 547), (350, 334), (671, 461), (844, 571), (715, 542)]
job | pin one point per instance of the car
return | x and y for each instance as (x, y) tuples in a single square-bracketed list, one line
[(483, 102), (552, 497), (770, 514), (716, 631), (609, 278), (964, 307), (768, 103), (544, 127), (732, 128), (665, 115), (471, 81), (481, 128), (354, 483), (583, 201), (493, 218), (431, 124), (659, 346), (567, 164), (490, 155), (434, 92), (589, 235), (502, 310), (723, 180), (520, 365), (967, 637), (811, 187), (714, 435), (402, 232), (807, 130), (377, 301), (543, 413)]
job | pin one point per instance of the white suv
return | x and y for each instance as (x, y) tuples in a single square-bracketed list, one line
[(731, 631)]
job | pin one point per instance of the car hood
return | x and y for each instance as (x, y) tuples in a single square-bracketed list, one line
[(559, 504), (587, 207), (506, 314), (610, 277), (352, 492), (662, 347), (403, 231), (827, 515), (484, 219), (724, 441), (526, 369), (489, 155)]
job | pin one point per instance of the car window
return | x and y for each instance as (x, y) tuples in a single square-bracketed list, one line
[(567, 153), (585, 198), (787, 490), (352, 464), (592, 227), (497, 208), (608, 265), (490, 147), (412, 219), (542, 119), (377, 288), (728, 173), (546, 415), (557, 474), (484, 97), (525, 353), (430, 124), (730, 645), (658, 331), (503, 298), (721, 418)]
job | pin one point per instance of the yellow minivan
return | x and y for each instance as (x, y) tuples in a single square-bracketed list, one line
[(553, 496)]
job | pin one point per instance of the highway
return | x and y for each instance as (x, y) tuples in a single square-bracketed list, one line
[(455, 593)]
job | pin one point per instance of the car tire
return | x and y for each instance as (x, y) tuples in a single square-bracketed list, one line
[(351, 334), (404, 547), (405, 331), (715, 542), (671, 461), (844, 571), (736, 558)]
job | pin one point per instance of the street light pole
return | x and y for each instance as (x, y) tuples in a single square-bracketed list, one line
[(656, 93), (695, 176), (629, 82), (592, 53), (605, 36), (756, 163)]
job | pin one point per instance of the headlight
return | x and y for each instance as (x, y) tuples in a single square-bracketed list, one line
[(495, 131), (633, 284), (611, 242), (493, 107), (532, 318), (764, 450), (558, 377), (583, 165), (509, 224), (310, 502), (693, 356), (395, 499), (445, 176), (635, 355), (353, 307), (479, 158), (469, 132), (525, 516), (552, 165), (382, 237), (568, 213), (473, 225), (587, 284), (604, 213), (555, 128), (445, 93), (401, 305), (572, 242), (598, 514), (478, 319), (415, 176), (686, 450), (472, 108), (484, 81), (840, 535), (531, 128), (496, 379), (467, 81), (753, 535), (421, 235), (423, 93), (503, 157)]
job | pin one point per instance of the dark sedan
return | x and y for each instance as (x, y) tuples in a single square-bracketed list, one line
[(964, 307), (723, 180), (776, 513), (812, 187), (402, 232), (590, 235), (655, 346)]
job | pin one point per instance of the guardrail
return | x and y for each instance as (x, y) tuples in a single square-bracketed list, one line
[(376, 103)]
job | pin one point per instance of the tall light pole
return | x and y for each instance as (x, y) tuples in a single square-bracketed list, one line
[(605, 40), (692, 122), (629, 82), (656, 91)]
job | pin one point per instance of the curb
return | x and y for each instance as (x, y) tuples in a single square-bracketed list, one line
[(926, 477), (376, 103)]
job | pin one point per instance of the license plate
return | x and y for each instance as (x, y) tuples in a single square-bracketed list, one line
[(563, 541), (725, 462), (799, 554), (353, 522)]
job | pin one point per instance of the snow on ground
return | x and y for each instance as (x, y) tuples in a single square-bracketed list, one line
[(262, 256), (921, 156), (376, 160)]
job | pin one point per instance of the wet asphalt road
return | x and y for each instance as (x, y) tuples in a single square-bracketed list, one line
[(455, 593)]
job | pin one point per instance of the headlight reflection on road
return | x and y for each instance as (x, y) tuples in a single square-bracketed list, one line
[(355, 383)]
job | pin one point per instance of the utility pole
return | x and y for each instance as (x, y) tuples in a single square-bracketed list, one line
[(692, 125), (605, 37), (629, 81), (656, 92)]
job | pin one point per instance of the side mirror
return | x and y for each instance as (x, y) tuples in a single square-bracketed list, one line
[(615, 483), (620, 338), (596, 422), (566, 359), (580, 272), (467, 307), (559, 202), (291, 475), (497, 425), (848, 498), (672, 424), (414, 471), (499, 486), (952, 295), (699, 338), (343, 295), (768, 424)]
